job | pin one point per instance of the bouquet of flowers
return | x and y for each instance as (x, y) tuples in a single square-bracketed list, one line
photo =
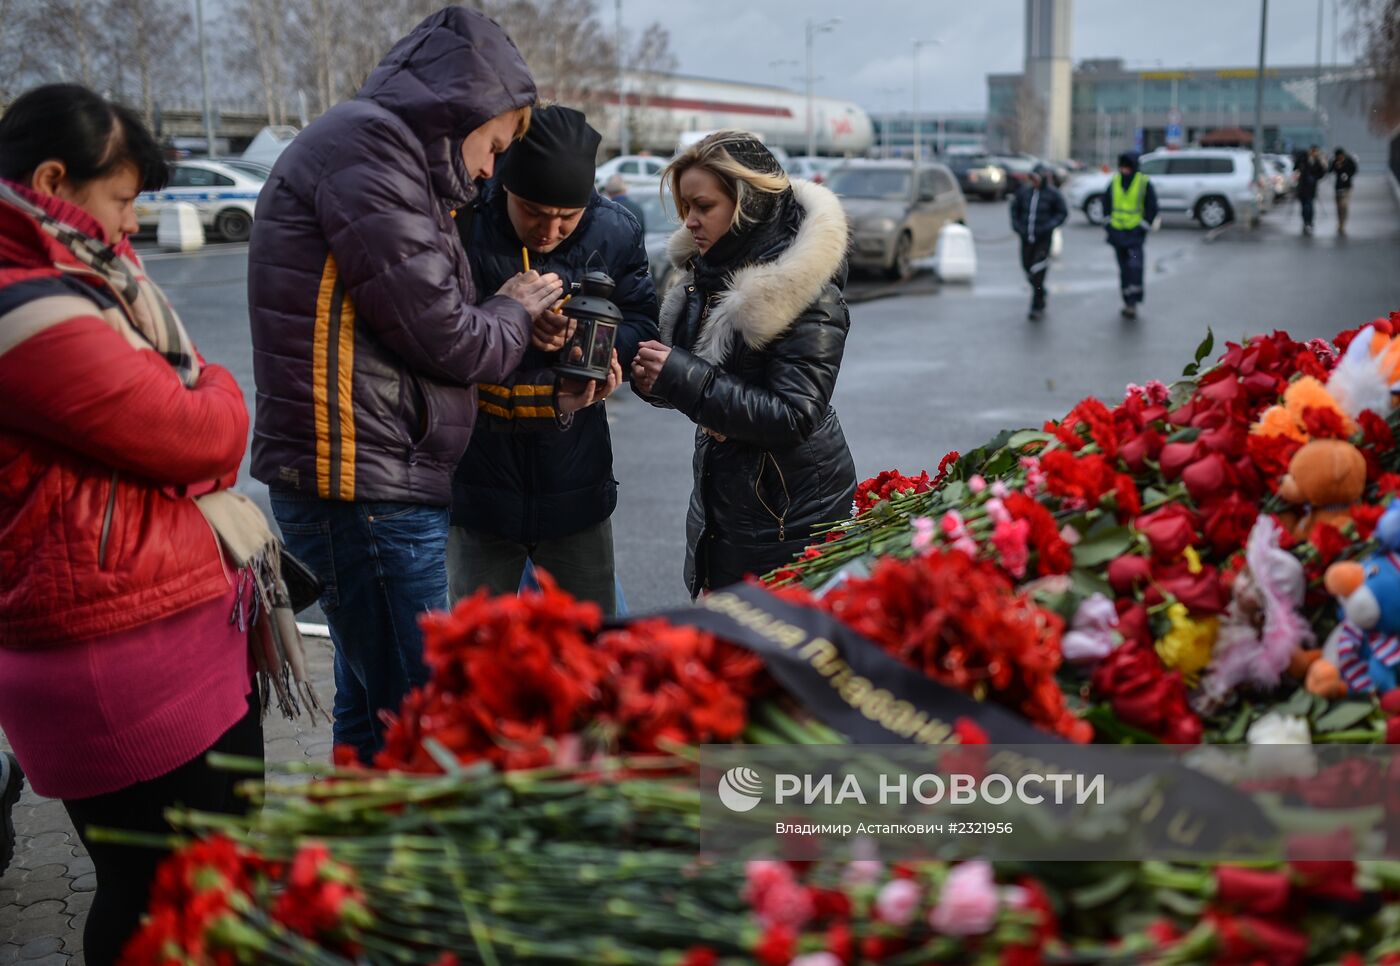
[(1166, 569)]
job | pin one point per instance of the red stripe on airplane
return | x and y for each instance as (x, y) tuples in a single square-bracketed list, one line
[(694, 104)]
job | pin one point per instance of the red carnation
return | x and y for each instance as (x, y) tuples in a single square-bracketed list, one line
[(1227, 522), (1259, 891), (1170, 530), (1322, 422), (1329, 542), (777, 946), (1377, 431), (1145, 695)]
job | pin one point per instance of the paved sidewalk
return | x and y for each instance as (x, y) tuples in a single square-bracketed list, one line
[(45, 893)]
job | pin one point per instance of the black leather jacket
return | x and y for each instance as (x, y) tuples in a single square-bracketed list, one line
[(756, 366)]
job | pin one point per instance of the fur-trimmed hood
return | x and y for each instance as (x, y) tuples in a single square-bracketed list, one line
[(764, 300)]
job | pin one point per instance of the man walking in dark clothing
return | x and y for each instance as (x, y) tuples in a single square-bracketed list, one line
[(1311, 170), (1133, 208), (1036, 211), (616, 190), (1343, 171)]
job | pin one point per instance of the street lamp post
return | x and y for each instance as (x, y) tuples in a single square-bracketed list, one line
[(813, 28), (204, 79), (623, 135), (1259, 92), (918, 146)]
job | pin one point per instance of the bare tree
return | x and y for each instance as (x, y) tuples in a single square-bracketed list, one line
[(16, 30), (155, 38), (258, 44), (62, 42), (1375, 32), (650, 61), (1027, 120)]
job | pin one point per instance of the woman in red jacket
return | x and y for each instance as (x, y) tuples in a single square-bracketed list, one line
[(123, 643)]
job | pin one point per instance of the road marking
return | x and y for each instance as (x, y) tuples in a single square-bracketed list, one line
[(226, 248)]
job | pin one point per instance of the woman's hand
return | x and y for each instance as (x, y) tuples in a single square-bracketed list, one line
[(534, 291), (576, 394), (647, 364)]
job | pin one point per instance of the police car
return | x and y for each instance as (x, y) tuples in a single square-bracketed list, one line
[(225, 195)]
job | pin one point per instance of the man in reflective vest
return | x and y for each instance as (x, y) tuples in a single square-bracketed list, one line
[(1132, 208)]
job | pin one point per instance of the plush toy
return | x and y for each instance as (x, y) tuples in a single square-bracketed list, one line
[(1365, 647), (1326, 477)]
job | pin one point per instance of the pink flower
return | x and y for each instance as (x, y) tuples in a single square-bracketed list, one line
[(976, 484), (1091, 636), (1157, 392), (1134, 390), (952, 524), (1035, 476), (923, 533), (816, 959), (997, 511), (1011, 539), (968, 903), (1000, 490), (966, 545), (862, 872), (897, 902), (762, 875), (1069, 535), (785, 904)]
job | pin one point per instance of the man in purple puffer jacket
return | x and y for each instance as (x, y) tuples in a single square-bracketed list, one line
[(369, 339)]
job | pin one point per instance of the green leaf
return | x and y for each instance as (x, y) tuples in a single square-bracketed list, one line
[(1191, 369), (1298, 705), (1343, 715), (1183, 905), (1101, 547), (1105, 890), (1207, 345), (1086, 583), (1187, 434), (1234, 734), (1027, 436)]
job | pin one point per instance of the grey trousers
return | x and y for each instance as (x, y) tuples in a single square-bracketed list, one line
[(581, 563)]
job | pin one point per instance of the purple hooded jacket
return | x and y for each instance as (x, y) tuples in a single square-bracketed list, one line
[(367, 336)]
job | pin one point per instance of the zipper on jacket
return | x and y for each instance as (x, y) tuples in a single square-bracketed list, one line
[(107, 522), (781, 518)]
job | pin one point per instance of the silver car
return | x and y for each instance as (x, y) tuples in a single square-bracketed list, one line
[(896, 212), (659, 213), (1211, 185)]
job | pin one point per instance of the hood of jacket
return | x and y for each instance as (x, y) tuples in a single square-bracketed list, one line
[(454, 72), (764, 299)]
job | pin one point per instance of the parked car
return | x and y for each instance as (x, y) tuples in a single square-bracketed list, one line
[(661, 222), (978, 175), (224, 195), (812, 168), (1285, 164), (1277, 180), (638, 170), (1018, 170), (896, 211), (1212, 185)]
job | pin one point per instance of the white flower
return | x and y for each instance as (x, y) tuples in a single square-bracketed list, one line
[(1279, 729)]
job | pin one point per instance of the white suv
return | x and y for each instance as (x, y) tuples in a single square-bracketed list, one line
[(1212, 185)]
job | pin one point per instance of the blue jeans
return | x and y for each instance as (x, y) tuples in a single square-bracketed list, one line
[(383, 565), (1307, 206)]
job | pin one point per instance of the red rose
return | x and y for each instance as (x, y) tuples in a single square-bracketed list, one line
[(1206, 478), (777, 947), (1327, 879), (1229, 440), (1355, 783), (1202, 593), (1390, 702), (840, 943), (1127, 574), (1223, 391), (1170, 530), (1259, 891), (700, 956), (1262, 385), (1248, 939), (1388, 484), (1133, 623), (1177, 456), (1137, 450), (1392, 731), (1227, 523), (1145, 695), (1377, 431), (1329, 542)]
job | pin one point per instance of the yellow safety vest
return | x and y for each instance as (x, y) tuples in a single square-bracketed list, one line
[(1127, 204)]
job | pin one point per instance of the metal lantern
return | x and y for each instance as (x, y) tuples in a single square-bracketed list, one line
[(588, 353)]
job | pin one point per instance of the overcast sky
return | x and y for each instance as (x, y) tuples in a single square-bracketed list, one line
[(868, 58)]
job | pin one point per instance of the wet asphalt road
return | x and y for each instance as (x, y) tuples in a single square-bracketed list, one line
[(946, 368)]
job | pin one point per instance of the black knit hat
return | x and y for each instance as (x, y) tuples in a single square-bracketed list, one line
[(555, 163)]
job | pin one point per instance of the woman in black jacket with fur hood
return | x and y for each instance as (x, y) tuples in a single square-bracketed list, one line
[(752, 335)]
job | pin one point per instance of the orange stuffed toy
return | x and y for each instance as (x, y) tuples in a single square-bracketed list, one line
[(1326, 477)]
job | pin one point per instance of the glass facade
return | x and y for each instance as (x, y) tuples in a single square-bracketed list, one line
[(894, 133), (1109, 104)]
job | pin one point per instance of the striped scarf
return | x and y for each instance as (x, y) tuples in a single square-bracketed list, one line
[(146, 319)]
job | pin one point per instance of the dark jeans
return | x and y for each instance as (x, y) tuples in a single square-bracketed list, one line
[(383, 566), (1035, 259), (125, 872), (581, 563), (1130, 261), (1307, 205)]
